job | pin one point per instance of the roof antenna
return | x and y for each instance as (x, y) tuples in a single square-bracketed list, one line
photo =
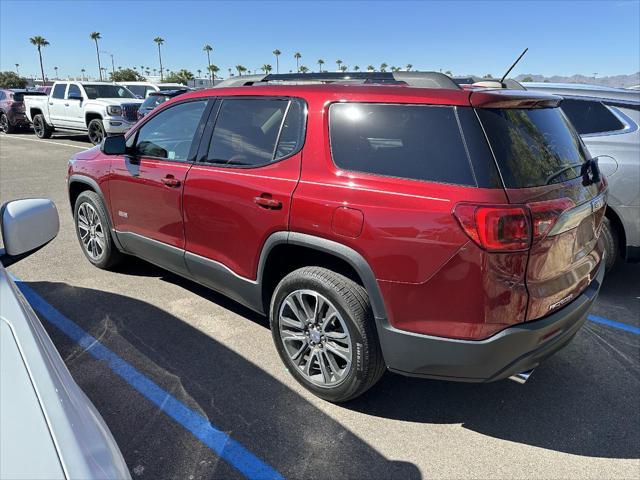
[(511, 68)]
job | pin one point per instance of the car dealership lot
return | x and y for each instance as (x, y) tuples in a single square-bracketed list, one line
[(213, 361)]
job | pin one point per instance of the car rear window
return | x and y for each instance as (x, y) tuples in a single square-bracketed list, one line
[(153, 101), (417, 142), (533, 147)]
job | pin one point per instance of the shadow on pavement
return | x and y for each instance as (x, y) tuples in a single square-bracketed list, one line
[(238, 397), (583, 401)]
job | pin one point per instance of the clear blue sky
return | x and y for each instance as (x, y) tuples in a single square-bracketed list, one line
[(465, 37)]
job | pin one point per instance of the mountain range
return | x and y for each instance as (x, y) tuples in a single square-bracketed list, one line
[(620, 81)]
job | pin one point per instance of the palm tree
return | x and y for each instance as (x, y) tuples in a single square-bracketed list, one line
[(83, 70), (95, 36), (297, 56), (356, 68), (56, 69), (39, 42), (338, 62), (154, 71), (277, 53), (383, 67), (159, 41), (266, 68), (395, 69), (408, 67), (208, 48), (230, 74), (199, 73), (240, 69), (320, 63), (303, 69), (343, 68), (371, 68), (17, 69), (213, 69)]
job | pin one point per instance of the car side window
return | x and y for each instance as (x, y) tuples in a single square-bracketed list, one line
[(589, 116), (137, 90), (169, 134), (74, 89), (247, 132), (1, 95), (58, 90)]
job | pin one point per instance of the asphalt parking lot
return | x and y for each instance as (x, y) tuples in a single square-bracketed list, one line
[(212, 399)]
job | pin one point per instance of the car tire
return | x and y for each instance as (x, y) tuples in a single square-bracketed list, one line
[(5, 125), (41, 128), (95, 130), (92, 228), (610, 241), (342, 334)]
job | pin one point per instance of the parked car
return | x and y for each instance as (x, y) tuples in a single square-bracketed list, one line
[(97, 108), (50, 429), (143, 89), (12, 115), (156, 98), (43, 89), (372, 223), (608, 121)]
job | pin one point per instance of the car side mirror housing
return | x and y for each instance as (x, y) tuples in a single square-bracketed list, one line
[(115, 145), (27, 225), (74, 96)]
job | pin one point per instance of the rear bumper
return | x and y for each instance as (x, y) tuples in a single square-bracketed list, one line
[(513, 350)]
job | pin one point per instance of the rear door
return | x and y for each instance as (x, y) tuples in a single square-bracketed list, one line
[(57, 106), (544, 164), (146, 186), (239, 191)]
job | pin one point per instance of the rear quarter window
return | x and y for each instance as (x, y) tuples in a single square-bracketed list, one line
[(590, 117), (417, 142)]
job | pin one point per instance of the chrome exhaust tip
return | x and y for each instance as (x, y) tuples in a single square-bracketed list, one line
[(521, 377)]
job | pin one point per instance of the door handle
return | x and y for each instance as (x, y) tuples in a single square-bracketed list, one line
[(265, 201), (66, 104), (171, 181), (50, 103)]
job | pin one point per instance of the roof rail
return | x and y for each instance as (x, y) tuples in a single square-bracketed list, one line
[(240, 81), (426, 80), (413, 79)]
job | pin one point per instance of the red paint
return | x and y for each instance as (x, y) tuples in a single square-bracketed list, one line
[(435, 278)]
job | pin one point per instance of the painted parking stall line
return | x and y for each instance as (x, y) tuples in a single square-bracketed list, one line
[(222, 444), (612, 323)]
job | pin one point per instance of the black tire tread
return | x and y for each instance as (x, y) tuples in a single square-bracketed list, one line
[(357, 300), (114, 256)]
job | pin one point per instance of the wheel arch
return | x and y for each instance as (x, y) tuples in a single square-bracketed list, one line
[(88, 116), (321, 252)]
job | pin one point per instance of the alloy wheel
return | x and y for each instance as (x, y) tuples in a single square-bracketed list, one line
[(91, 231), (4, 123), (38, 127), (315, 337), (95, 133)]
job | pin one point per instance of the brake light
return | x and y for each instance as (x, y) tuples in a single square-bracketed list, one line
[(510, 227), (495, 227), (544, 215)]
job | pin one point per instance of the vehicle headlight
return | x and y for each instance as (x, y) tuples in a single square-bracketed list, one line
[(114, 110)]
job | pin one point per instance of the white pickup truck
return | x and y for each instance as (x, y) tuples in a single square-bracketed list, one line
[(97, 108)]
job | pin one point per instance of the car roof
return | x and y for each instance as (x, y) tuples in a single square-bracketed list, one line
[(169, 93), (337, 92), (585, 90)]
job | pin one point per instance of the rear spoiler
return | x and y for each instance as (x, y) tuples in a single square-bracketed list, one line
[(494, 98)]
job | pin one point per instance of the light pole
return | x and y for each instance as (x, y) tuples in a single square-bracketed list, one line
[(113, 67)]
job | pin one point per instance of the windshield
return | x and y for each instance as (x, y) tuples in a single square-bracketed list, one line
[(107, 91), (533, 147)]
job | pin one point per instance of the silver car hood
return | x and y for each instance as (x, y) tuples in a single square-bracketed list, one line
[(64, 435)]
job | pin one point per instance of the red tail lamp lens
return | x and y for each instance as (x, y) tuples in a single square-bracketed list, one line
[(544, 215), (495, 227)]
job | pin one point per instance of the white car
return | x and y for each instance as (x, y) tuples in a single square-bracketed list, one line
[(143, 89), (97, 108), (48, 427)]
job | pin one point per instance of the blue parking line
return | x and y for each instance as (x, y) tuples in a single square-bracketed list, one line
[(611, 323), (222, 444)]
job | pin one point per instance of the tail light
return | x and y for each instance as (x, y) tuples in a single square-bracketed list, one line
[(497, 228)]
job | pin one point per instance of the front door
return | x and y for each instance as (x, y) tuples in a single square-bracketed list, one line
[(146, 186), (239, 192)]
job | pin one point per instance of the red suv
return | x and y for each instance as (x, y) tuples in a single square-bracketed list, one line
[(402, 224)]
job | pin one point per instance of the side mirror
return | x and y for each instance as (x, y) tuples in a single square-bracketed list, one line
[(26, 226), (74, 96), (115, 145)]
